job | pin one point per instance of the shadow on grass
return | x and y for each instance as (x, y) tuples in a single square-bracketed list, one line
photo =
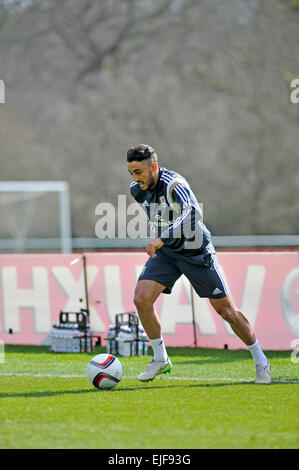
[(25, 349), (45, 393), (197, 353), (40, 394), (197, 356)]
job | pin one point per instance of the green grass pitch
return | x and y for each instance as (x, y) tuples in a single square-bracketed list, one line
[(209, 401)]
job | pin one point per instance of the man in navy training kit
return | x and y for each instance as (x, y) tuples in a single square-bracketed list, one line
[(182, 246)]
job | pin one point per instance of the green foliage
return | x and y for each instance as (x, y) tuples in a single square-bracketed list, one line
[(209, 401)]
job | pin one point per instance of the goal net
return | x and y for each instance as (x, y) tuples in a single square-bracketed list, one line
[(35, 215)]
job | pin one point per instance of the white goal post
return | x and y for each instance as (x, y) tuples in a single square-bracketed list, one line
[(30, 191), (2, 92)]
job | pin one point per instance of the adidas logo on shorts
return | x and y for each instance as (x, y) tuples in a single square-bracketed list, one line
[(217, 291)]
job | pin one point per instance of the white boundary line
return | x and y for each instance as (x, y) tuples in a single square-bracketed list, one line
[(196, 379)]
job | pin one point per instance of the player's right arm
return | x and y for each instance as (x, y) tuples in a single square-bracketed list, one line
[(155, 244)]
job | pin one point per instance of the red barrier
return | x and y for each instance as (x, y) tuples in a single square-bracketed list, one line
[(35, 288)]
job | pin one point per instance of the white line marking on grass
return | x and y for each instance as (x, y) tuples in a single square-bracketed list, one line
[(196, 379), (25, 374)]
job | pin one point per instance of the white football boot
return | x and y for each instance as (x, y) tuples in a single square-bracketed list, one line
[(155, 368), (263, 374)]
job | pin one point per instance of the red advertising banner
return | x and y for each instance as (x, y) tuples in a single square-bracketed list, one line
[(35, 288)]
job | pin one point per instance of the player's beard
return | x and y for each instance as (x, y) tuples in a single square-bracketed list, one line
[(152, 182)]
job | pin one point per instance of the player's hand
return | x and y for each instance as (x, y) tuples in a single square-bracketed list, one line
[(153, 246)]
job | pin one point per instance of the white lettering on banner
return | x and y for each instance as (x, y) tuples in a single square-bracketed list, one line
[(172, 312), (291, 317), (203, 317), (74, 290), (113, 291), (227, 326), (252, 292), (138, 271), (202, 313), (36, 298)]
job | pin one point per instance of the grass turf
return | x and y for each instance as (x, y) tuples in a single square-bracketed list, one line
[(208, 401)]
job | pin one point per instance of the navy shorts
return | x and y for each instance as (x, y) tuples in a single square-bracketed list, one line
[(201, 270)]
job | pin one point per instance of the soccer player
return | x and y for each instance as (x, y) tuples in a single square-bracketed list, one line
[(182, 245)]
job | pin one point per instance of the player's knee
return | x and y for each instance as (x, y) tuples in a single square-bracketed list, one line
[(141, 299)]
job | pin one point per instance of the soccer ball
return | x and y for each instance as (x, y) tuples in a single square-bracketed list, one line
[(104, 371)]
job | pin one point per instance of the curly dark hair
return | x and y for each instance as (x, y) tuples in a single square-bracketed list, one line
[(141, 152)]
